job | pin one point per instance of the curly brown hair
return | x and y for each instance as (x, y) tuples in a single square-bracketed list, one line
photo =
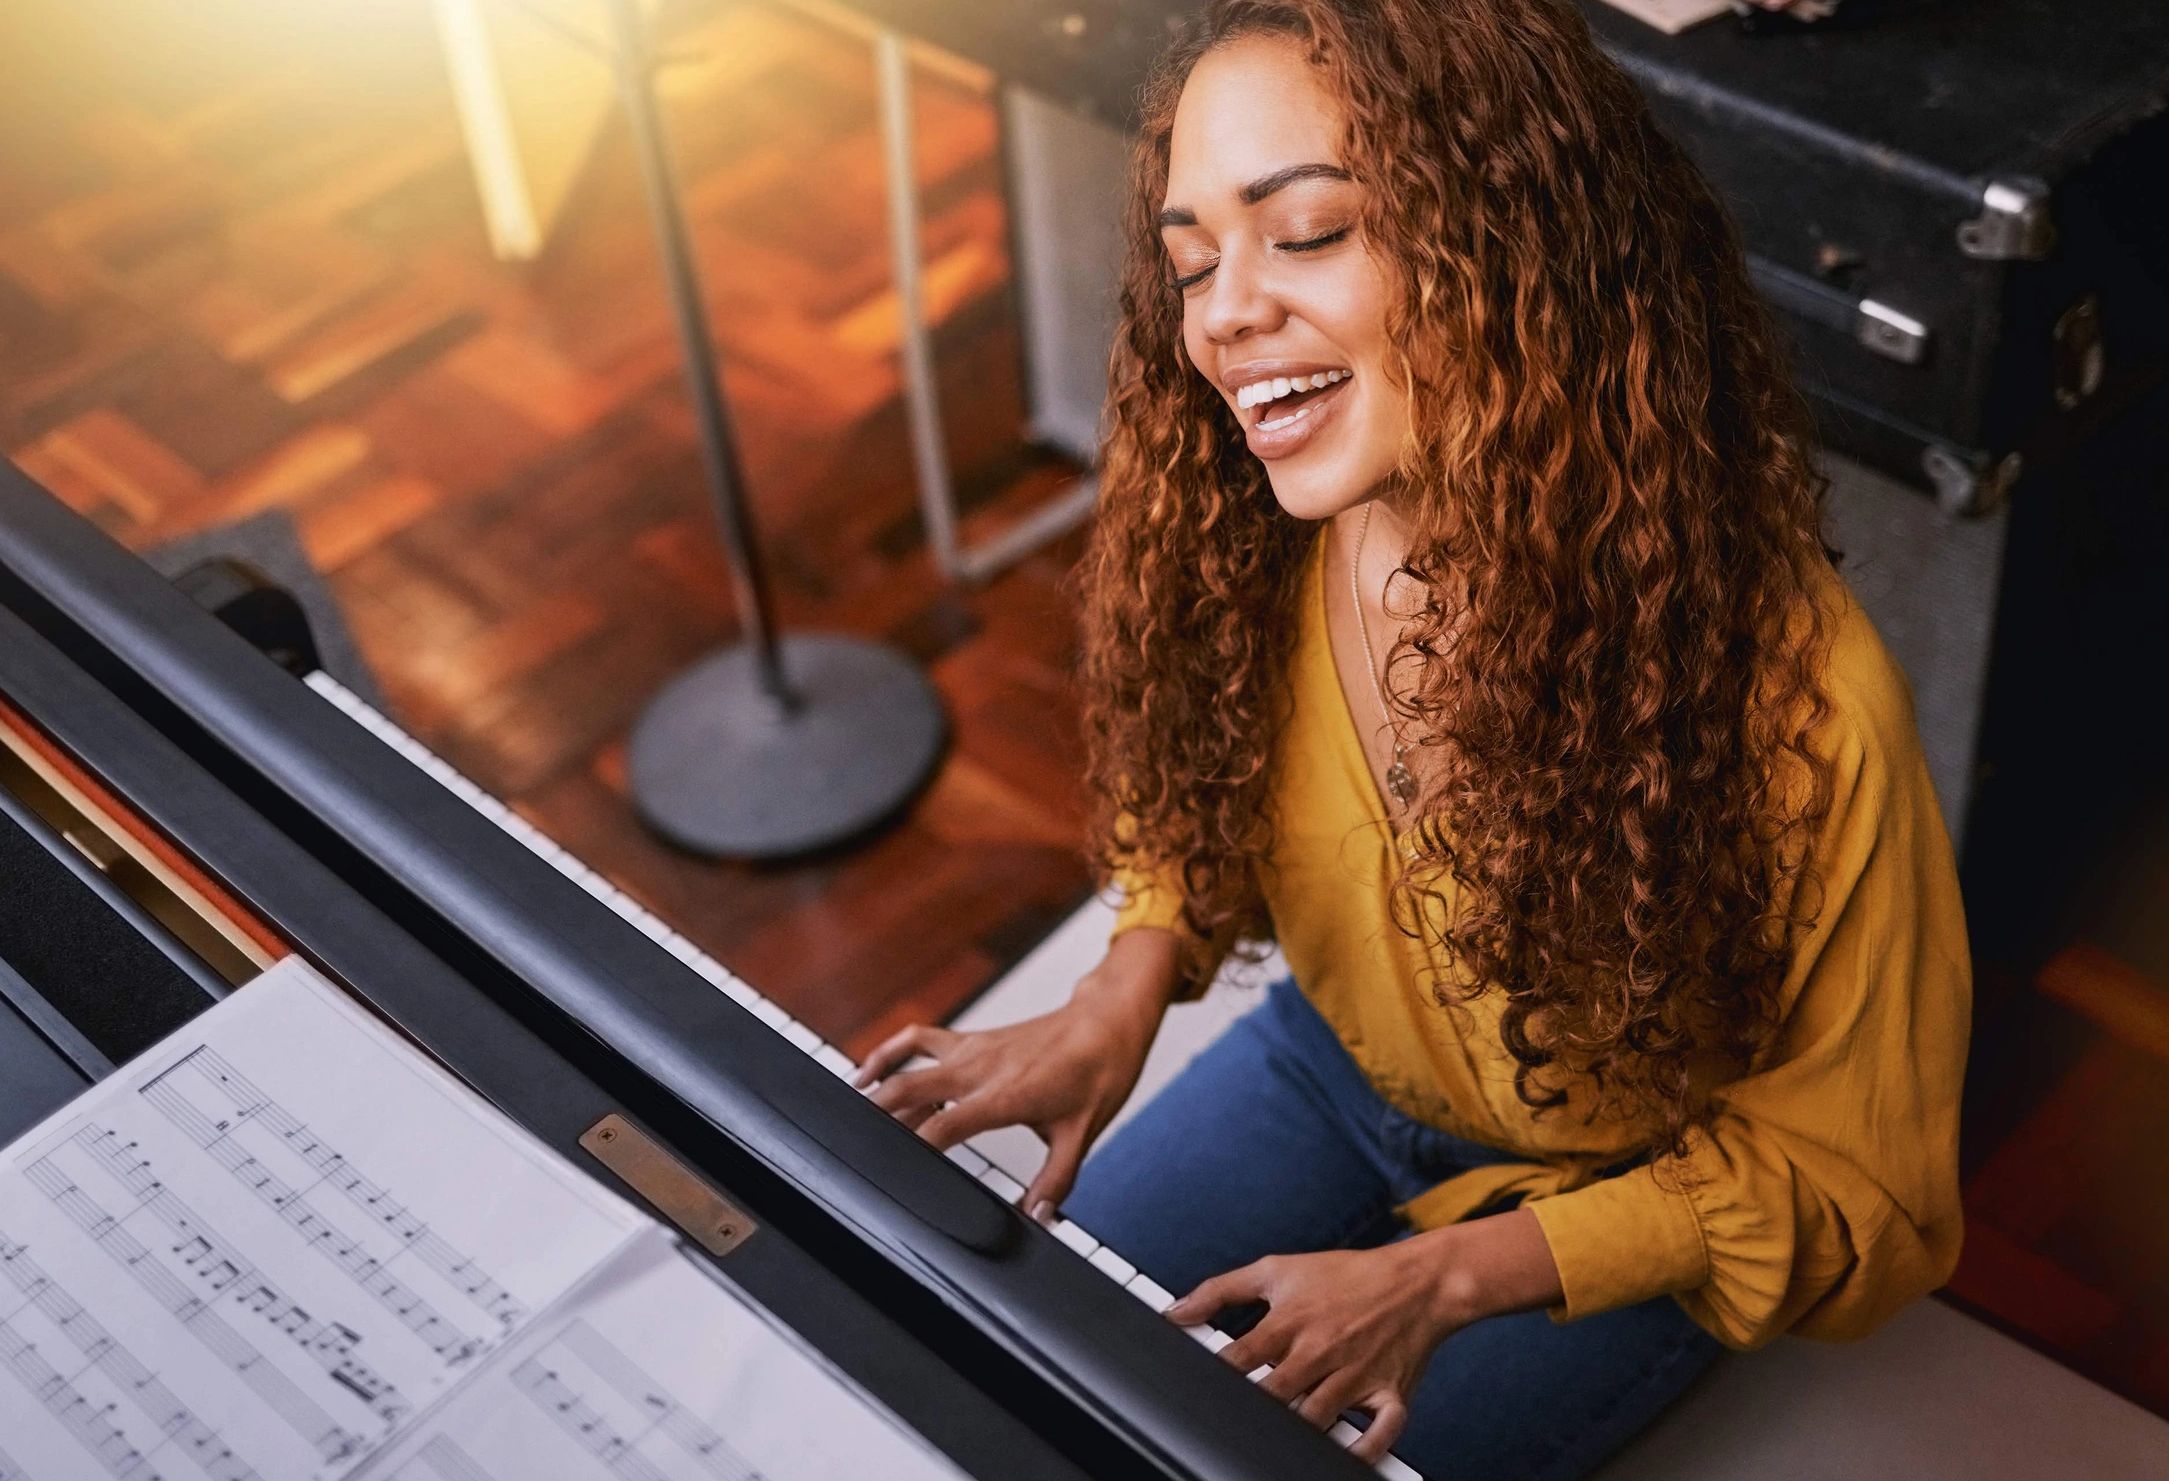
[(1615, 523)]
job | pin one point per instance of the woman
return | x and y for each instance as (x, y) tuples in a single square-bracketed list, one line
[(1458, 617)]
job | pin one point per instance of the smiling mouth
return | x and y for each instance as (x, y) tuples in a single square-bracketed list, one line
[(1273, 404)]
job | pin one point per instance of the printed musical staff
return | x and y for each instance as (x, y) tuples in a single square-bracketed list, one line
[(252, 1136), (555, 1380), (671, 1417), (205, 1258), (168, 1416), (87, 1421)]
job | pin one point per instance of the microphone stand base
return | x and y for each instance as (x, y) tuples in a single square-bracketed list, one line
[(720, 767)]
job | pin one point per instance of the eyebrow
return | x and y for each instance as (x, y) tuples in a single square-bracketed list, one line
[(1258, 189)]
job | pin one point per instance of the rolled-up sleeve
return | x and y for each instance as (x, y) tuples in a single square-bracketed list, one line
[(1823, 1193), (1145, 898), (1149, 897), (1148, 893)]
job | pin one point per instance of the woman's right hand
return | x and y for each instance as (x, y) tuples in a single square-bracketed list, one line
[(1063, 1074)]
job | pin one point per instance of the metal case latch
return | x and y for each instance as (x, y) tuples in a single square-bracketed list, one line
[(2014, 224)]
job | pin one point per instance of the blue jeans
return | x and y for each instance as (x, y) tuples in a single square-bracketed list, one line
[(1274, 1142)]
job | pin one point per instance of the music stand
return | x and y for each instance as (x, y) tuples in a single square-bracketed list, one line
[(770, 747)]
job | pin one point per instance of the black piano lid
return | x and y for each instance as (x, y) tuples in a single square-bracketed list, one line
[(389, 853)]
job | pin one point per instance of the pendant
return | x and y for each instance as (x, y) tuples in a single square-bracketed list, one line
[(1401, 782)]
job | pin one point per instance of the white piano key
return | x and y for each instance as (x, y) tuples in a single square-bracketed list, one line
[(1343, 1433), (631, 910), (428, 760), (1016, 1150), (716, 974), (804, 1037), (1396, 1469), (1007, 1188), (835, 1061), (1074, 1236), (1155, 1296), (963, 1156), (767, 1011), (529, 836), (522, 830), (1204, 1333), (1215, 1339), (1258, 1374), (1113, 1264), (465, 790)]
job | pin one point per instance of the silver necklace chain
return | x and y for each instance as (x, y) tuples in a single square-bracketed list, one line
[(1400, 781)]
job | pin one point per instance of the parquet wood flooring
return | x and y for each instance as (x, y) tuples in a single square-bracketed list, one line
[(255, 277)]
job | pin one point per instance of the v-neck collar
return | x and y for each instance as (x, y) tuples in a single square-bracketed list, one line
[(1327, 675)]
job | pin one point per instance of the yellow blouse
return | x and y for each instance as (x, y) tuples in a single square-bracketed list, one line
[(1823, 1195)]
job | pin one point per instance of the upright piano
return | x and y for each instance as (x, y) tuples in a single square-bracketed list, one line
[(181, 807)]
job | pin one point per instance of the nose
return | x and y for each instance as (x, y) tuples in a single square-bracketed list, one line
[(1239, 301)]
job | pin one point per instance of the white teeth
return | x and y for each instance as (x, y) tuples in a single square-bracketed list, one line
[(1292, 417), (1259, 392)]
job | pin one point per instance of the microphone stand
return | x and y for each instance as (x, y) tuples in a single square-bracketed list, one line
[(772, 746)]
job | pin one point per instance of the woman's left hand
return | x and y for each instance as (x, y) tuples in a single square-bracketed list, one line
[(1354, 1329), (1347, 1329)]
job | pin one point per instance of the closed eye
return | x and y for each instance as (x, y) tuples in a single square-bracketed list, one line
[(1316, 242), (1311, 244)]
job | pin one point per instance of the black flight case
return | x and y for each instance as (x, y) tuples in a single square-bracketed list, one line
[(1960, 208)]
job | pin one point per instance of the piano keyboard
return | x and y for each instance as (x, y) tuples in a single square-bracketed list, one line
[(972, 1156)]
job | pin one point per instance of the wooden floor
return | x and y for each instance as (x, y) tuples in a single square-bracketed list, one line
[(242, 268), (260, 281)]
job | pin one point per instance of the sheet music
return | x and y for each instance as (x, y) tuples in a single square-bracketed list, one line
[(268, 1244), (656, 1372)]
